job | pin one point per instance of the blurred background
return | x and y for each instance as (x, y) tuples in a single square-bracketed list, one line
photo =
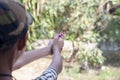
[(92, 39)]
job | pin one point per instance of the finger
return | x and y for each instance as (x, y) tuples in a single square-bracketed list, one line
[(61, 48), (60, 39), (61, 34), (61, 42), (56, 36)]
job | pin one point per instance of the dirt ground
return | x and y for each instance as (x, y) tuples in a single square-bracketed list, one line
[(34, 69)]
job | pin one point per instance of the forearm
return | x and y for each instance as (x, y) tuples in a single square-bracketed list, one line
[(54, 69), (56, 65), (30, 56), (56, 62)]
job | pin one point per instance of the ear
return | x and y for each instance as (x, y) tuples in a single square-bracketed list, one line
[(22, 42)]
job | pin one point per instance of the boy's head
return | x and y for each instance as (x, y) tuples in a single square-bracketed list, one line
[(13, 23)]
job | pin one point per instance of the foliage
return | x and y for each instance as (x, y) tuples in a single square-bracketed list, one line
[(80, 21), (93, 58), (76, 18), (70, 16)]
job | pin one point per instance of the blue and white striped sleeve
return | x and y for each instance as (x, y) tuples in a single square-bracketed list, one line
[(49, 74)]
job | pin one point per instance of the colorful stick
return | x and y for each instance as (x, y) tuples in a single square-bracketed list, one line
[(61, 34)]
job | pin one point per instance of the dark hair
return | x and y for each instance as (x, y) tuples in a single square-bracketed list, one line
[(14, 40)]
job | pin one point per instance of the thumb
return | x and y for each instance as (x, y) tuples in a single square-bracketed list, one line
[(61, 42)]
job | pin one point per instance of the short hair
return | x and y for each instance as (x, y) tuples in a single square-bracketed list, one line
[(12, 14)]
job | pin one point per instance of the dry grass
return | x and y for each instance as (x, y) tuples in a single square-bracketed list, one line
[(32, 70), (70, 72)]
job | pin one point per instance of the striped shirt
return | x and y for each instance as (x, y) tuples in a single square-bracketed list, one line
[(49, 74)]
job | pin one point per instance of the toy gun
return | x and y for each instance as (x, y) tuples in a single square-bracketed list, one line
[(61, 34)]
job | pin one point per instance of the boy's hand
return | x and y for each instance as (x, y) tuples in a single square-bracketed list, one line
[(56, 43)]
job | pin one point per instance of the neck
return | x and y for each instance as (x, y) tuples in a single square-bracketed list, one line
[(5, 65), (6, 62), (6, 78), (5, 69)]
